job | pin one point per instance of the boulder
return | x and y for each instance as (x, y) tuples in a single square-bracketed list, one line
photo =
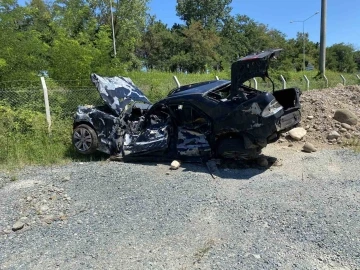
[(309, 148), (297, 133), (345, 116), (18, 226), (347, 126), (175, 165), (333, 135)]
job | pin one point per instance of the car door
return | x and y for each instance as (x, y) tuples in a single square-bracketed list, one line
[(193, 129)]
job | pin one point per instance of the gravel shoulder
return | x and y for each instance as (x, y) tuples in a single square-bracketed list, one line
[(304, 214)]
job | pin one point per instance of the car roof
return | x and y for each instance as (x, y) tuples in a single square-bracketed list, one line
[(198, 88)]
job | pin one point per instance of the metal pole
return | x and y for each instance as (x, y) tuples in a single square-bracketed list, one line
[(326, 80), (46, 100), (283, 81), (177, 82), (112, 27), (255, 83), (343, 79), (303, 22), (304, 45), (307, 82), (323, 37)]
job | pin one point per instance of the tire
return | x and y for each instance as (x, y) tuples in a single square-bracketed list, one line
[(85, 139), (233, 148)]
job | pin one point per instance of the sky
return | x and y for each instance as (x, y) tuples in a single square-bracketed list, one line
[(343, 17)]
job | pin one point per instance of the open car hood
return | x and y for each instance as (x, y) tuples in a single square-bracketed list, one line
[(251, 66), (117, 92)]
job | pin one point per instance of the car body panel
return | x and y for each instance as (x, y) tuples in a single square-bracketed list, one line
[(117, 92)]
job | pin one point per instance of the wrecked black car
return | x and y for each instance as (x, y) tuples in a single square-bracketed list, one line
[(212, 119)]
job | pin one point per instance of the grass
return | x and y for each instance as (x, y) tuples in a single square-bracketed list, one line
[(353, 143), (24, 137)]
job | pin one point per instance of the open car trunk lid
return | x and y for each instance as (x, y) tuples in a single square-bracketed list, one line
[(117, 92), (251, 66)]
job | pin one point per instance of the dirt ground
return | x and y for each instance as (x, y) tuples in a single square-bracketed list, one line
[(318, 109)]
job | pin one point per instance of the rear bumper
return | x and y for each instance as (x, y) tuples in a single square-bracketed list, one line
[(288, 120)]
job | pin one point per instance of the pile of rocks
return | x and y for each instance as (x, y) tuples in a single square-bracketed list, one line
[(43, 205), (329, 117)]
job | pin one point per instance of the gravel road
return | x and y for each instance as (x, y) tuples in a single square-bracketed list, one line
[(304, 214)]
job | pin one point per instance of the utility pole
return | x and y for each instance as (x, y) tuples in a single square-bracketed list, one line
[(303, 33), (112, 27), (323, 37)]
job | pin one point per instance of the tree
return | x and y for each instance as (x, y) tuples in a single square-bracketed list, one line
[(340, 57), (23, 54), (211, 14), (198, 49), (357, 59), (158, 45)]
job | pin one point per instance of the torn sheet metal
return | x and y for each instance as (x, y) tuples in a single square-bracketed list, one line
[(192, 143), (117, 92)]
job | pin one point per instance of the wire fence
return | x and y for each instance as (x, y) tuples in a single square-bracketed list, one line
[(65, 96), (24, 130)]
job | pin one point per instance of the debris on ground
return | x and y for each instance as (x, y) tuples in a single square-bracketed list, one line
[(329, 116), (175, 165), (18, 225), (297, 133), (212, 167), (309, 148)]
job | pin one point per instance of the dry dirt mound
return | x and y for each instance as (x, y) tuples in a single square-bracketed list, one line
[(318, 110)]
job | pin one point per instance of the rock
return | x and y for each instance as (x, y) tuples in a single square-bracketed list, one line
[(48, 219), (348, 136), (277, 163), (18, 225), (281, 140), (290, 145), (333, 135), (175, 165), (309, 148), (297, 133), (347, 126), (346, 116), (343, 130), (262, 161), (28, 199), (66, 178), (310, 117), (24, 219), (44, 208)]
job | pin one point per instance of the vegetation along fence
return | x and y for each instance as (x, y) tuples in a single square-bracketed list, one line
[(30, 109)]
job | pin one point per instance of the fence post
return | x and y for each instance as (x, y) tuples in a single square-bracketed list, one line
[(177, 81), (255, 83), (283, 81), (46, 99), (326, 81), (307, 82), (217, 78), (343, 79)]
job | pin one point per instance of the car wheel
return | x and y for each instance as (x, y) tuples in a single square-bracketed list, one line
[(85, 139), (233, 148)]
